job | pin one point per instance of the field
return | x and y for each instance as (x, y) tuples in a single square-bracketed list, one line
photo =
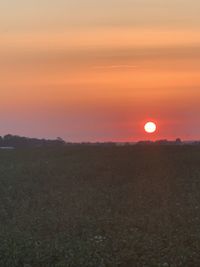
[(87, 206)]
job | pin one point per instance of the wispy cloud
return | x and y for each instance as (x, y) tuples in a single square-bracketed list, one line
[(116, 67)]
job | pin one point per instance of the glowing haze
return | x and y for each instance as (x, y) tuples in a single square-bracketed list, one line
[(90, 70)]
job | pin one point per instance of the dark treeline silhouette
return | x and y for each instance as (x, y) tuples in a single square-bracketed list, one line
[(15, 141), (165, 142), (161, 142)]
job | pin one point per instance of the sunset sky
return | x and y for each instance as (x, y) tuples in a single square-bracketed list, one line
[(90, 70)]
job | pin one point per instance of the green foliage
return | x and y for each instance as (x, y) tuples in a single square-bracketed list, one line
[(85, 206)]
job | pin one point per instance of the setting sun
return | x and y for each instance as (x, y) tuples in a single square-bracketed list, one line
[(150, 127)]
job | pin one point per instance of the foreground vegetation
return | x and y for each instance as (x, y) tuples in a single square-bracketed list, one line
[(100, 206)]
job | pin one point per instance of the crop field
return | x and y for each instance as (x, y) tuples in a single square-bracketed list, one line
[(96, 206)]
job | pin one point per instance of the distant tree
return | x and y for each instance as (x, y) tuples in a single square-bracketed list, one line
[(60, 140), (145, 143), (178, 141), (1, 140), (162, 142)]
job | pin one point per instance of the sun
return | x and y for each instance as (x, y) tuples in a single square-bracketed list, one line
[(150, 127)]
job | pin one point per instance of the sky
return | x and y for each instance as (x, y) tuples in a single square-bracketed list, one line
[(90, 70)]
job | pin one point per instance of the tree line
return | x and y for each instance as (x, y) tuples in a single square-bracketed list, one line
[(10, 140)]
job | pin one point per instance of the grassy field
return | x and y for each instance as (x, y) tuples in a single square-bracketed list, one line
[(100, 207)]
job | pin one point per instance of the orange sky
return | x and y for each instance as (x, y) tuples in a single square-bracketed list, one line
[(90, 71)]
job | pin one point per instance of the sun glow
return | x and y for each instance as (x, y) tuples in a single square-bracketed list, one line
[(150, 127)]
